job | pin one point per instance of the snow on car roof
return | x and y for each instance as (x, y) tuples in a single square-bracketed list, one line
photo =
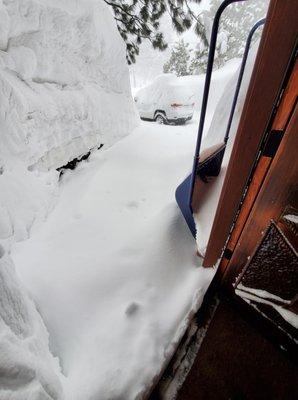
[(167, 86)]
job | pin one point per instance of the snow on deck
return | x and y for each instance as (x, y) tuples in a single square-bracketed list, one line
[(114, 270)]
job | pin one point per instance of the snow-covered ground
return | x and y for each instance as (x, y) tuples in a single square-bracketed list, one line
[(114, 270)]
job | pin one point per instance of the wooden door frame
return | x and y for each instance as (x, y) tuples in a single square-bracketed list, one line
[(275, 50), (272, 190), (279, 189), (278, 126)]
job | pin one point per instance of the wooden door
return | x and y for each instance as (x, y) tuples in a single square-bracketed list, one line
[(260, 268), (266, 87)]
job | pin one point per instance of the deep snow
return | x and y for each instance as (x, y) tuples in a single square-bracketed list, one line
[(28, 371), (64, 82), (114, 269), (64, 89)]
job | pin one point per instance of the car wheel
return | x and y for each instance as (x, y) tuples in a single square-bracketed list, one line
[(160, 119)]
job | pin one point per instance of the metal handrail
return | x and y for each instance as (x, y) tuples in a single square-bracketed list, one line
[(241, 73), (211, 54), (184, 191)]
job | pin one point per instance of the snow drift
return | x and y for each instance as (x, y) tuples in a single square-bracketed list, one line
[(27, 368), (125, 282), (64, 89), (64, 81)]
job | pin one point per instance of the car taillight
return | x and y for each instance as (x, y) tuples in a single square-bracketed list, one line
[(176, 105)]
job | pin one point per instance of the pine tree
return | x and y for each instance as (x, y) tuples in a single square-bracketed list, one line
[(236, 22), (140, 19), (198, 63), (179, 60)]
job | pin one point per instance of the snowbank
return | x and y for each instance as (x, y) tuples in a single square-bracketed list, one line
[(64, 81), (64, 89), (27, 368)]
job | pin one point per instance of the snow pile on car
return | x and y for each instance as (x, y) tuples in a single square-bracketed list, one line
[(164, 90)]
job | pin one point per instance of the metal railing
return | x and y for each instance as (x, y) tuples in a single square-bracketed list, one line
[(184, 199)]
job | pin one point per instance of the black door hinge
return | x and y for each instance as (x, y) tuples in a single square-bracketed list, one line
[(227, 253), (272, 143)]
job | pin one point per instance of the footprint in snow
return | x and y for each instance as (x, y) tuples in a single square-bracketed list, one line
[(132, 309), (2, 251), (132, 205)]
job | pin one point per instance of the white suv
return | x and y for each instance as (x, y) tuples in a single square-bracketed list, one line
[(165, 100)]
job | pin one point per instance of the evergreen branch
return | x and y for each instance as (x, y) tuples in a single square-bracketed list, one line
[(138, 20)]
